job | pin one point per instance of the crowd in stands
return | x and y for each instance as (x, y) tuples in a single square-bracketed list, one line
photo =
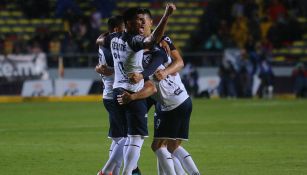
[(248, 22), (253, 28), (78, 33)]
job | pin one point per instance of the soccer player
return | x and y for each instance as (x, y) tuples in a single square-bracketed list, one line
[(172, 117), (105, 68), (127, 51)]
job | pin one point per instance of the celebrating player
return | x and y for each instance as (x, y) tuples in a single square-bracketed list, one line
[(172, 116), (127, 51)]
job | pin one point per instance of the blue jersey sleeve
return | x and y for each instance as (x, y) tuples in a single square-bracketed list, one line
[(136, 42), (157, 58), (169, 42)]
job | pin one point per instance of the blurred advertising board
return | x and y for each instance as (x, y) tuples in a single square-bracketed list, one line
[(58, 87), (23, 67), (37, 88), (72, 87)]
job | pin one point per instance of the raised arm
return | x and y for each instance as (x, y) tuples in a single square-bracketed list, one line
[(157, 34)]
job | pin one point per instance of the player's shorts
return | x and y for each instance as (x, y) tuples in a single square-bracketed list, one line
[(150, 102), (173, 124), (135, 113), (117, 124)]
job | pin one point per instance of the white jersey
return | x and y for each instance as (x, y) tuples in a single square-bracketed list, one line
[(170, 91), (107, 80), (127, 56)]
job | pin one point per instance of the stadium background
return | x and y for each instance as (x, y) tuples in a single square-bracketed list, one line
[(229, 47), (235, 44)]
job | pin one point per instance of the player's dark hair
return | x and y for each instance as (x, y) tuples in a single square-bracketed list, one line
[(147, 11), (131, 13), (115, 21)]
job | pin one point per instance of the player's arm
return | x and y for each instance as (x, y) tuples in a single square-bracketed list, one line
[(100, 39), (148, 90), (104, 70), (176, 65), (177, 61), (105, 66), (158, 33), (155, 62)]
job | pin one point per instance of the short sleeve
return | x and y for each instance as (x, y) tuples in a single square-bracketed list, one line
[(169, 42), (136, 42)]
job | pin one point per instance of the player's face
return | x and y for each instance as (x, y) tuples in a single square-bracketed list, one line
[(140, 23), (148, 25), (120, 28)]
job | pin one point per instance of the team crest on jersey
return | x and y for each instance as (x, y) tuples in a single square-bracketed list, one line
[(146, 59)]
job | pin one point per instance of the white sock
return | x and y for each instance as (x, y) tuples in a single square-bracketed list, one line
[(178, 167), (114, 142), (116, 157), (126, 146), (165, 161), (160, 169), (116, 170), (132, 154), (186, 160)]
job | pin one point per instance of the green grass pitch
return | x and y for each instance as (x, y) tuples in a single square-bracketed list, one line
[(227, 137)]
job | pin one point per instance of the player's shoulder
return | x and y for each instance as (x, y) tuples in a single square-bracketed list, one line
[(167, 39), (115, 35)]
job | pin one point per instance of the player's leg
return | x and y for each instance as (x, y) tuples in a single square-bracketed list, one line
[(114, 163), (165, 161), (118, 133), (136, 113), (116, 169), (178, 167), (185, 159), (183, 113), (133, 154), (163, 131)]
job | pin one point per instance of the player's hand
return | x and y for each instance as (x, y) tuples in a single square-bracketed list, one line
[(125, 98), (165, 46), (160, 75), (169, 9), (103, 69), (101, 37), (135, 77)]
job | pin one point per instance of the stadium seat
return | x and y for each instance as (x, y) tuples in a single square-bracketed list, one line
[(16, 14), (5, 29), (4, 14), (17, 29), (299, 43), (48, 21), (29, 29), (103, 28), (24, 21), (36, 21), (279, 59), (11, 21), (302, 19), (296, 51), (58, 21)]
